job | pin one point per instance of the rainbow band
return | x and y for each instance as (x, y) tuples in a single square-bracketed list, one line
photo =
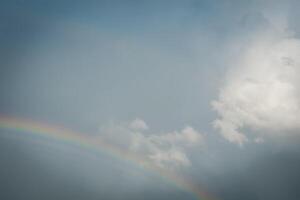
[(89, 142)]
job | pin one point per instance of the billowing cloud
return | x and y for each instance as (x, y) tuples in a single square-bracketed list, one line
[(261, 92), (166, 150)]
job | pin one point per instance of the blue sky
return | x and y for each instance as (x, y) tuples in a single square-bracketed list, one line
[(208, 89)]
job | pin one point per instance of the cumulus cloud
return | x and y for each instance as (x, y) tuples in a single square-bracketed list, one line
[(261, 92), (166, 150)]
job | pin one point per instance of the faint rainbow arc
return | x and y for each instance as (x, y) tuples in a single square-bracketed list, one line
[(79, 139)]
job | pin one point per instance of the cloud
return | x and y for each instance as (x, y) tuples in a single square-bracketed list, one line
[(138, 124), (261, 92), (166, 150), (259, 140)]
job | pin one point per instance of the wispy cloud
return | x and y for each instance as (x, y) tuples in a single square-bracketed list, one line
[(166, 150)]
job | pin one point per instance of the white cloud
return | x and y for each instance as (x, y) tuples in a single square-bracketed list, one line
[(261, 92), (138, 124), (166, 150)]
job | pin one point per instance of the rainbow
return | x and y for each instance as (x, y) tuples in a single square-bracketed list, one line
[(84, 141)]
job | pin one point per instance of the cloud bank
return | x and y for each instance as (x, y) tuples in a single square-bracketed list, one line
[(261, 92), (166, 150)]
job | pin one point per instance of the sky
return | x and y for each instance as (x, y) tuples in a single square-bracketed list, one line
[(204, 90)]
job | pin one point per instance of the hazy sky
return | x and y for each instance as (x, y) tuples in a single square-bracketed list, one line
[(208, 90)]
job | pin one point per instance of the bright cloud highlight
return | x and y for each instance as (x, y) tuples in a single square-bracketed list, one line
[(261, 92)]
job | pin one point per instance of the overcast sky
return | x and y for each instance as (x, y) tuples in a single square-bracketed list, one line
[(208, 90)]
